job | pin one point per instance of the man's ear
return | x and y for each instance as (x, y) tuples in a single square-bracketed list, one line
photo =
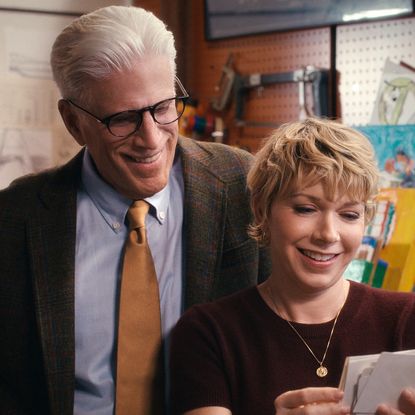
[(71, 120)]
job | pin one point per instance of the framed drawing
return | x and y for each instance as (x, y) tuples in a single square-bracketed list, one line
[(231, 18)]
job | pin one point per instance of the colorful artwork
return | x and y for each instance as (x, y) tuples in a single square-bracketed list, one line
[(395, 151)]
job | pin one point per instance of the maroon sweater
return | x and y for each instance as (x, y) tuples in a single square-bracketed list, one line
[(237, 353)]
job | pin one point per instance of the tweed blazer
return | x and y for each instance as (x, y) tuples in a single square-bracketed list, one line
[(37, 263)]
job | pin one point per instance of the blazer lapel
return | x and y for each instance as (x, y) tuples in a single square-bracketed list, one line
[(51, 233), (204, 223)]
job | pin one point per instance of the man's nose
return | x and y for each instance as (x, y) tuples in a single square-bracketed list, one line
[(149, 132)]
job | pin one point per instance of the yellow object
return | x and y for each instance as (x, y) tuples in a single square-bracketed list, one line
[(184, 127), (399, 251)]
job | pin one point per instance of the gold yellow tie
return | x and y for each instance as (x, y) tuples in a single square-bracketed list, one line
[(139, 327)]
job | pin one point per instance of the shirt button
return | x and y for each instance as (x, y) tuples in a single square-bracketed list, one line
[(162, 215), (116, 225)]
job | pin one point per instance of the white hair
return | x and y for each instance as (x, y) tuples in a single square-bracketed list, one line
[(105, 41)]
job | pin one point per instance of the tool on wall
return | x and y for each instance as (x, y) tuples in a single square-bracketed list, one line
[(232, 84), (225, 86), (309, 74)]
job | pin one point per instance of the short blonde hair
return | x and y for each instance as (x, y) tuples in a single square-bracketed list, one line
[(301, 154)]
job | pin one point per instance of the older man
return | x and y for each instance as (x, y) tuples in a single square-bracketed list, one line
[(66, 323)]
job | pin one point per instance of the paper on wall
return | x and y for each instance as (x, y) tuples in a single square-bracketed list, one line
[(395, 101)]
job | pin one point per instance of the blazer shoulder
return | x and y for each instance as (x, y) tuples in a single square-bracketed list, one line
[(24, 190), (223, 159)]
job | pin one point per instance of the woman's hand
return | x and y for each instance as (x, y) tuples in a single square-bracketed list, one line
[(310, 401), (406, 404)]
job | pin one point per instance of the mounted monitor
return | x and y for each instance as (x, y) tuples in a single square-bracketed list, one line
[(231, 18)]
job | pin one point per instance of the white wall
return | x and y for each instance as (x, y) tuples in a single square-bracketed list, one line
[(61, 6), (32, 134)]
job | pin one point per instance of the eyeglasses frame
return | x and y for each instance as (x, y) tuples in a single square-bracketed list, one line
[(151, 108)]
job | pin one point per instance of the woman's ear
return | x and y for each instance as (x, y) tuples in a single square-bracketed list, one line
[(71, 120)]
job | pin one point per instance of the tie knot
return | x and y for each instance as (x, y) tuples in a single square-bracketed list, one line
[(137, 214)]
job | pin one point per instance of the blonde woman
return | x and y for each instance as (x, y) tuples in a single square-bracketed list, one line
[(279, 348)]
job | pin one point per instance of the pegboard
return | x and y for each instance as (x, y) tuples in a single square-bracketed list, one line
[(361, 51), (264, 54)]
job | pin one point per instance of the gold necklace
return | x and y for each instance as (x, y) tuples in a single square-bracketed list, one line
[(322, 370)]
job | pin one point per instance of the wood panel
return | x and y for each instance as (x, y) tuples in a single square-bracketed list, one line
[(153, 6)]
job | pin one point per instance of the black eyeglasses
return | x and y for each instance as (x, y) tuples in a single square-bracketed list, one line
[(125, 123)]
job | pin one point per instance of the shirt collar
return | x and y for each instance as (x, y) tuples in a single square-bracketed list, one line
[(159, 203)]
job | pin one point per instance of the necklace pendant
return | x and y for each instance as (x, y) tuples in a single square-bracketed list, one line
[(322, 371)]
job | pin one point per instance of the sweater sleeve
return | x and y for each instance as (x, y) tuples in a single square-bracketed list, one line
[(406, 324), (197, 374)]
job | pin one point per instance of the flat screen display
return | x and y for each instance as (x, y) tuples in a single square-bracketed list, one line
[(231, 18)]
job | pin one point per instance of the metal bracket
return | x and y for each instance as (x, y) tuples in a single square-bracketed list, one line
[(309, 74)]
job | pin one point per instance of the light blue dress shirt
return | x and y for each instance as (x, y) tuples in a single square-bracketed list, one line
[(101, 234)]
